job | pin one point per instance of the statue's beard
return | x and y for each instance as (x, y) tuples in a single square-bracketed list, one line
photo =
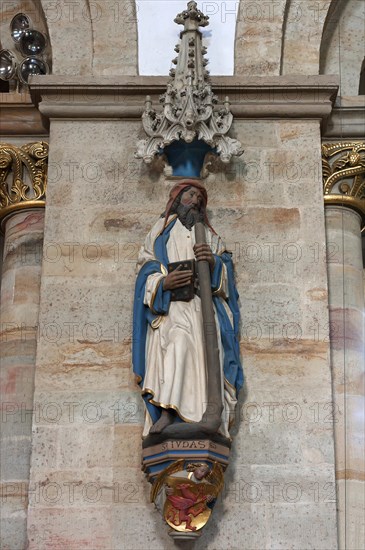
[(189, 215)]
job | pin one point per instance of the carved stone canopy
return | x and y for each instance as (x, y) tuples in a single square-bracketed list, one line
[(188, 113)]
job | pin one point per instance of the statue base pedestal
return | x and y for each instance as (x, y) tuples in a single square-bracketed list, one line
[(186, 477), (158, 457)]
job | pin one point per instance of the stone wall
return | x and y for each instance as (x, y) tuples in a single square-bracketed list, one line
[(87, 486)]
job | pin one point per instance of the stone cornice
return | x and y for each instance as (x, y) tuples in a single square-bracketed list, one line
[(124, 97), (347, 119), (20, 117)]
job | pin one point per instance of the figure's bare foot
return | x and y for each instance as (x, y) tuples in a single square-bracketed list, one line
[(166, 419)]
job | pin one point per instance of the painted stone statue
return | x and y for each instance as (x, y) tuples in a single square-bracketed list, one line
[(169, 355), (186, 315)]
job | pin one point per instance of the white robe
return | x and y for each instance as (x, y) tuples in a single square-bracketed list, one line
[(175, 358)]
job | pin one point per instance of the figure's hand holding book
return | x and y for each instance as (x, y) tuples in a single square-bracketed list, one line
[(184, 293)]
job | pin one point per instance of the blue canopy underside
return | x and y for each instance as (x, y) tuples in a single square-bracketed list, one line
[(186, 159)]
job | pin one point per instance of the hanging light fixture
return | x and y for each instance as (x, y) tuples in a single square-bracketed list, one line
[(29, 57)]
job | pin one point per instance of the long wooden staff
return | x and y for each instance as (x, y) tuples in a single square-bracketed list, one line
[(212, 416)]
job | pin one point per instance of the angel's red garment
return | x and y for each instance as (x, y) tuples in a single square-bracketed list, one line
[(187, 505)]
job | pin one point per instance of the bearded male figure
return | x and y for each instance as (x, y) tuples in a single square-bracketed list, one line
[(168, 338)]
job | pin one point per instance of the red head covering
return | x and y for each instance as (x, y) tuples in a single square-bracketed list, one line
[(176, 190)]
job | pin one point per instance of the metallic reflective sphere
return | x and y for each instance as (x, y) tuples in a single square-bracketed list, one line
[(18, 25), (7, 65), (30, 66), (32, 42)]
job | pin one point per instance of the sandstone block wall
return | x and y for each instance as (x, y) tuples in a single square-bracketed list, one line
[(85, 473)]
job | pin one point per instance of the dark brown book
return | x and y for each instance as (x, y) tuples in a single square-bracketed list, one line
[(184, 293)]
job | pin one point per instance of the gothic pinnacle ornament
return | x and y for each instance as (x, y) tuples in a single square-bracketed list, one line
[(189, 106)]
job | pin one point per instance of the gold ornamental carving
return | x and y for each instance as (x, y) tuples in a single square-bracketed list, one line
[(23, 176), (343, 167), (185, 494)]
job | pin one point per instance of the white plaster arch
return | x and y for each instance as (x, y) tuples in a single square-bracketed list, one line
[(303, 28), (259, 32), (342, 47)]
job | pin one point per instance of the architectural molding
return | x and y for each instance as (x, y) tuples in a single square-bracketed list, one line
[(19, 116), (347, 119), (123, 97)]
